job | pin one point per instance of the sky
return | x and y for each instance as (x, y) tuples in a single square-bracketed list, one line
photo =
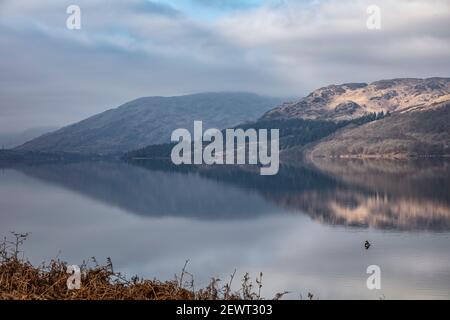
[(53, 76)]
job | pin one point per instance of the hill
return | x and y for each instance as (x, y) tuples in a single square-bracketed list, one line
[(353, 100), (150, 120), (407, 134)]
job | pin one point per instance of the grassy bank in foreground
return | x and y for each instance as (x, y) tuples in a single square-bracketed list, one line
[(20, 280)]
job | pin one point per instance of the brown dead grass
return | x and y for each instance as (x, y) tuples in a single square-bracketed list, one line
[(20, 280)]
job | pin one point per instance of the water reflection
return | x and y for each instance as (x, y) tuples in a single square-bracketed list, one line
[(388, 194), (295, 227), (399, 195), (152, 193)]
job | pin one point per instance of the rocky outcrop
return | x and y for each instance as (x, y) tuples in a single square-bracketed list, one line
[(353, 100)]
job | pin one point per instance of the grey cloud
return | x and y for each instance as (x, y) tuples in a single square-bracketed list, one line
[(52, 76), (54, 83)]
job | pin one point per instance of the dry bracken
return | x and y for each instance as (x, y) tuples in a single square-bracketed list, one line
[(20, 280)]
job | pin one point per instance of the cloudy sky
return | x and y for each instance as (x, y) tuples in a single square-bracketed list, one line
[(50, 75)]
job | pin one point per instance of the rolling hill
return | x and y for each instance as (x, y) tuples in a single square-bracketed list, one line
[(150, 120), (387, 118)]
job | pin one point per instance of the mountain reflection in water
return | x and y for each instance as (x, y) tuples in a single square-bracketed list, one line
[(397, 194)]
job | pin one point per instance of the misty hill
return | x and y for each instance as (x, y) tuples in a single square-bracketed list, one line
[(13, 139), (151, 120), (353, 100)]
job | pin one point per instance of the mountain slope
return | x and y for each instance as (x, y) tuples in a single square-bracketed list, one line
[(408, 117), (387, 118), (151, 120), (353, 100), (406, 134)]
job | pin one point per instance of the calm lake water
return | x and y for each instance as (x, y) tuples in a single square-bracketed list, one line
[(303, 228)]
